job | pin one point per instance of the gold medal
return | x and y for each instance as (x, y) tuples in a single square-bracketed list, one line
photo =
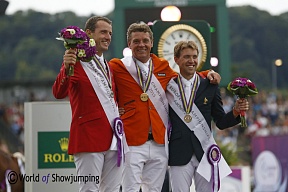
[(187, 118), (144, 97)]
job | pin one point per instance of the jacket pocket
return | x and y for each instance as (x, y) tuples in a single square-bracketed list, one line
[(130, 109), (89, 117), (128, 113)]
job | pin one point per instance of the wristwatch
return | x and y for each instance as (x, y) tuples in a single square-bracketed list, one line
[(181, 32)]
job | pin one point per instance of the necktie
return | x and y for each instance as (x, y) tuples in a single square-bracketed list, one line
[(187, 90)]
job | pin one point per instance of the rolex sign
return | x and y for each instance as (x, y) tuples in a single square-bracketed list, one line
[(52, 150)]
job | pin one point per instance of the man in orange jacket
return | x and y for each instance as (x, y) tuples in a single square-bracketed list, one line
[(141, 81)]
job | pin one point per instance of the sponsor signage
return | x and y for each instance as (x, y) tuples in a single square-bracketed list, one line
[(52, 150)]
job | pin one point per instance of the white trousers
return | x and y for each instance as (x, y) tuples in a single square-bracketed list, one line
[(181, 177), (145, 167), (103, 165)]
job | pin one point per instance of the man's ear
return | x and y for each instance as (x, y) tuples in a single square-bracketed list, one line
[(129, 43), (88, 32), (176, 60)]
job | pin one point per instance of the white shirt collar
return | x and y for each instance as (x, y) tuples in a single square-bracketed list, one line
[(186, 81), (140, 63), (101, 58)]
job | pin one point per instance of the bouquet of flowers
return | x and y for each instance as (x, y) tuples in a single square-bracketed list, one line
[(74, 37), (242, 87)]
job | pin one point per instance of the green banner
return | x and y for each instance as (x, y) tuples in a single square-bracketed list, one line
[(52, 150)]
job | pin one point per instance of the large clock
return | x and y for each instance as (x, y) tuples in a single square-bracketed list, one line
[(181, 32), (168, 33)]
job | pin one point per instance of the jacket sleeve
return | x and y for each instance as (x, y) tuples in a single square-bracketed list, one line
[(223, 120), (61, 84), (203, 74)]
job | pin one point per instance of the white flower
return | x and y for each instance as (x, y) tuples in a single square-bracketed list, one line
[(91, 43), (71, 31), (81, 53)]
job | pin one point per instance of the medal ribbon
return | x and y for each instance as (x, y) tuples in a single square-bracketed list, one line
[(100, 66), (119, 132), (214, 161), (188, 105), (149, 77)]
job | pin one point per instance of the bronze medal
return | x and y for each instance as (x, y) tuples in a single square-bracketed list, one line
[(144, 97), (187, 118)]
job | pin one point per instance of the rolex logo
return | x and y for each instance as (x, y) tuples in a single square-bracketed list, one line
[(63, 142)]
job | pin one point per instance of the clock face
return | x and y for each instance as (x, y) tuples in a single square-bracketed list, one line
[(181, 32)]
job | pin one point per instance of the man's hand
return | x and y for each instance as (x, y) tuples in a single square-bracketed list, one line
[(121, 111), (240, 105), (214, 77), (69, 58)]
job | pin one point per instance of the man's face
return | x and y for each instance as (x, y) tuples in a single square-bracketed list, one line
[(102, 36), (140, 44), (187, 62)]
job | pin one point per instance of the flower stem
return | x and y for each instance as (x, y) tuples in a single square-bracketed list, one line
[(71, 70)]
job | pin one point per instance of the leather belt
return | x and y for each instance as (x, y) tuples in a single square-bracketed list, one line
[(150, 136)]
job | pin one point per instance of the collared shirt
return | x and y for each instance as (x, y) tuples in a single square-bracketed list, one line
[(187, 84), (101, 59), (144, 67)]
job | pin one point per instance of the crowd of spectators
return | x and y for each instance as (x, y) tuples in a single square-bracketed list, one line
[(267, 116), (268, 113)]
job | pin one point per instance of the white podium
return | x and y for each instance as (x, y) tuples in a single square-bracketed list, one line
[(48, 167)]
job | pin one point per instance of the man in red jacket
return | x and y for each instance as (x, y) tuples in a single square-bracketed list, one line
[(92, 140)]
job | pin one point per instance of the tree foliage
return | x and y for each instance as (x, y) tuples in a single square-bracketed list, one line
[(29, 50), (257, 39)]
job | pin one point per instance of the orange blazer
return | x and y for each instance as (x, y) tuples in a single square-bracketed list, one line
[(139, 115)]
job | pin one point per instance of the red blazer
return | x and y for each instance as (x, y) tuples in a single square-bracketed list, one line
[(90, 129)]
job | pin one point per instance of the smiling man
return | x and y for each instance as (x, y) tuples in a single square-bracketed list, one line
[(94, 109), (193, 104)]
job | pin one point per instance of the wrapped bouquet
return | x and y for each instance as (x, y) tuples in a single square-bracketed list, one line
[(75, 38), (242, 88)]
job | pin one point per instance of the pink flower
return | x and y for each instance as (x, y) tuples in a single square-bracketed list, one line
[(242, 87)]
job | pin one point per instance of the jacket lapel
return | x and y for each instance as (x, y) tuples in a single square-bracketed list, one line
[(203, 84)]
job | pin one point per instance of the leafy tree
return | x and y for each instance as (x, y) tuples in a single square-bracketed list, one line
[(257, 39), (29, 50)]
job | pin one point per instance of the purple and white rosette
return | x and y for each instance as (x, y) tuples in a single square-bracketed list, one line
[(214, 156), (119, 132)]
